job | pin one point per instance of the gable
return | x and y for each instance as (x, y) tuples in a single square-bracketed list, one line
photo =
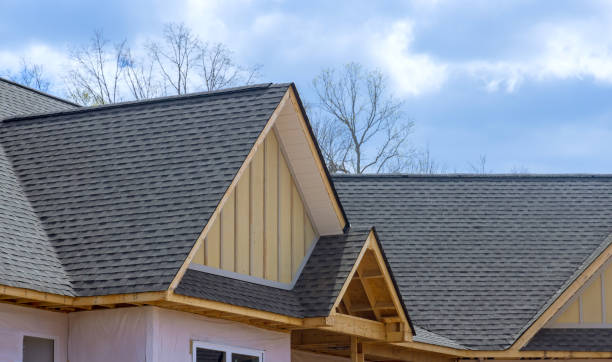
[(279, 202), (370, 293), (264, 229), (591, 306)]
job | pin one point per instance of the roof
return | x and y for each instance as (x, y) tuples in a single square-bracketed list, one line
[(314, 294), (124, 190), (571, 339), (16, 99), (478, 258)]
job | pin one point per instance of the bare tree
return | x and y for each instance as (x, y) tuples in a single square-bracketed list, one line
[(423, 163), (218, 69), (176, 56), (140, 77), (480, 167), (97, 72), (363, 129), (31, 75)]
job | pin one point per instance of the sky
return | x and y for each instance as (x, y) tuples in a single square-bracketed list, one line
[(527, 84)]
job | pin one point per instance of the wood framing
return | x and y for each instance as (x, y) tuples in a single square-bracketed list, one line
[(369, 293)]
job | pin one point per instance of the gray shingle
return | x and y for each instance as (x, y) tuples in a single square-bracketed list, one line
[(123, 191), (571, 339), (314, 293), (477, 258), (16, 99), (27, 258)]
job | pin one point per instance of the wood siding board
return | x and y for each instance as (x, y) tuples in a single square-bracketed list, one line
[(213, 245), (242, 222), (271, 207), (591, 302), (257, 214), (571, 314), (227, 234), (297, 229), (608, 293), (284, 220), (199, 255), (309, 233)]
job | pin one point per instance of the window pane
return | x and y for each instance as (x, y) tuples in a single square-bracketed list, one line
[(37, 349), (208, 355), (243, 358)]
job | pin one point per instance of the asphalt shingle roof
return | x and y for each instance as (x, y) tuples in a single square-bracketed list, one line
[(571, 339), (123, 191), (477, 258), (314, 293), (16, 99)]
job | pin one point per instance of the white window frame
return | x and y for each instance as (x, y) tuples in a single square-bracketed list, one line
[(224, 348)]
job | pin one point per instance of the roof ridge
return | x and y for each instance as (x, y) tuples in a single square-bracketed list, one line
[(477, 176), (145, 101), (39, 92)]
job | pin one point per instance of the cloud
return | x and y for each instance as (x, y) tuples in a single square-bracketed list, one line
[(52, 59), (412, 73)]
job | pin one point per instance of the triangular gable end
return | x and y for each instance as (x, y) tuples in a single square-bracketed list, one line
[(586, 302), (370, 293), (271, 215)]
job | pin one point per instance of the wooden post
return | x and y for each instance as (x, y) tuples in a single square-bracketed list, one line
[(356, 350)]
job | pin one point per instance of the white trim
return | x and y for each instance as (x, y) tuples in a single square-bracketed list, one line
[(224, 348), (257, 280), (579, 325)]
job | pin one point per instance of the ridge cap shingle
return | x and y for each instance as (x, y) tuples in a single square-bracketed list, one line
[(103, 107)]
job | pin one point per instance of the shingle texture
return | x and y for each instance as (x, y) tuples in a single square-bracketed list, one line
[(27, 257), (477, 258), (19, 100), (314, 293), (123, 191), (571, 339)]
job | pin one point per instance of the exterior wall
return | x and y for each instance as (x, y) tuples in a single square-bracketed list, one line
[(153, 334), (110, 335), (264, 230), (16, 322), (174, 331), (592, 306)]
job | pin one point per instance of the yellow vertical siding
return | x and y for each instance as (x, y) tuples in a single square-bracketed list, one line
[(591, 303), (571, 314), (227, 234), (284, 221), (243, 224), (297, 229), (264, 229), (213, 246), (257, 214), (271, 207), (607, 277)]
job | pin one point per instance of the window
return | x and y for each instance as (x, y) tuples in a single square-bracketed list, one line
[(37, 349), (206, 352)]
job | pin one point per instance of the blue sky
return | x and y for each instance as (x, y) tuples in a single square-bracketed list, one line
[(526, 83)]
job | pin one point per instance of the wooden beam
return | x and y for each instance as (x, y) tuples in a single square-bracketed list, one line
[(402, 354), (233, 309), (354, 326), (356, 350)]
